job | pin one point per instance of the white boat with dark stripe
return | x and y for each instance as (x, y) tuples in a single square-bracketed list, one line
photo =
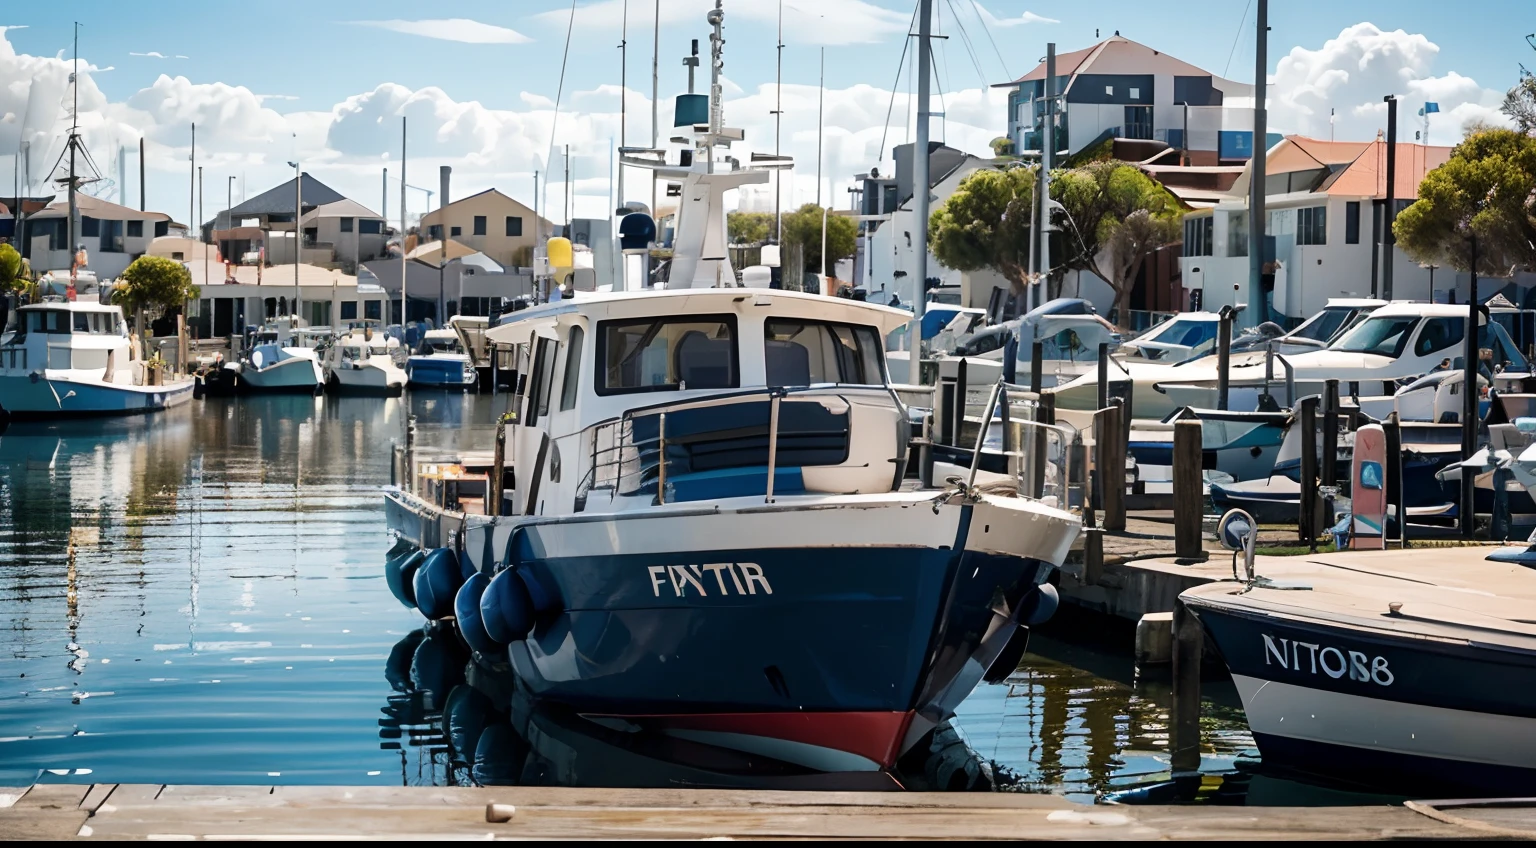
[(1412, 671)]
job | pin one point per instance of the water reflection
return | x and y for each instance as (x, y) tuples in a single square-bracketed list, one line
[(455, 721)]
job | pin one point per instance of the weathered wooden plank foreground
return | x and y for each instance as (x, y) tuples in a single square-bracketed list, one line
[(109, 811)]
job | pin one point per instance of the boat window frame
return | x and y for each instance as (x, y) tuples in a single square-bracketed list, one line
[(1408, 334), (600, 367), (571, 379), (545, 352), (874, 358)]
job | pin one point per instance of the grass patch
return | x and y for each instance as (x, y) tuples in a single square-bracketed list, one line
[(1296, 550)]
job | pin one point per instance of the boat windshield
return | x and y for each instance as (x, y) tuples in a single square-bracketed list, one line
[(806, 353), (1323, 326), (1384, 335), (662, 354), (431, 346), (1184, 333)]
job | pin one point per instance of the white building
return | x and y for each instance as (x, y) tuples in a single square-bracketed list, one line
[(1325, 203), (112, 235), (1121, 89)]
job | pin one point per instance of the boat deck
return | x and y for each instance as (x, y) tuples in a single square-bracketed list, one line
[(149, 811), (1442, 593)]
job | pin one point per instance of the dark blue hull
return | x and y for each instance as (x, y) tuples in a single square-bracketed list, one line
[(857, 649)]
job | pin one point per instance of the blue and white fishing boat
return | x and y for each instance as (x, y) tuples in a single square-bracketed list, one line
[(441, 363), (709, 533), (69, 359)]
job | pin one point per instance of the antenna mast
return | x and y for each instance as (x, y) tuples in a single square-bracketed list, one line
[(778, 126), (623, 102)]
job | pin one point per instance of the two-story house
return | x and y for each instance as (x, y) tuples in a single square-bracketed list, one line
[(337, 231), (1325, 220), (1119, 88), (112, 235), (491, 223)]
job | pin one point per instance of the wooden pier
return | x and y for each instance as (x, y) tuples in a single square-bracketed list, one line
[(108, 811)]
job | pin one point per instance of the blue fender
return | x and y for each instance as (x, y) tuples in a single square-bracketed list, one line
[(400, 574), (465, 716), (506, 610), (466, 611), (436, 582)]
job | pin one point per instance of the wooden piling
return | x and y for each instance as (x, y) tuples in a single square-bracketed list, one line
[(1306, 521), (1188, 491), (498, 470), (1184, 736), (1394, 474), (1223, 356), (1103, 375), (1110, 449), (1329, 470)]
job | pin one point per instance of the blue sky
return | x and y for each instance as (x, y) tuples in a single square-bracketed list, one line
[(274, 81)]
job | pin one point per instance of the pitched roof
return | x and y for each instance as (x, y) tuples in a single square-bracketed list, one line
[(280, 200), (343, 208), (1366, 176), (101, 210), (432, 251), (1113, 55), (435, 214)]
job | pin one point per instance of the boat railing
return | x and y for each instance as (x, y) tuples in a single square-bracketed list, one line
[(1039, 455), (624, 462)]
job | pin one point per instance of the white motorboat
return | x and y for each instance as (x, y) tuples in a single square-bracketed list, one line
[(1069, 348), (708, 532), (284, 359), (74, 358), (441, 363), (365, 362)]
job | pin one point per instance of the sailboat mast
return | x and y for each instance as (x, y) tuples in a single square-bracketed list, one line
[(74, 138), (655, 94), (1260, 153), (920, 194), (402, 226), (623, 101), (778, 129)]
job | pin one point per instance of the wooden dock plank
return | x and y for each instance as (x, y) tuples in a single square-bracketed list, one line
[(298, 812)]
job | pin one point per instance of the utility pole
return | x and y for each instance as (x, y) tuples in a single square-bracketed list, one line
[(655, 95), (1256, 198), (298, 234), (821, 99), (229, 207), (200, 223), (141, 174), (1390, 213), (192, 183), (384, 190), (567, 191), (402, 228), (1033, 296), (920, 194)]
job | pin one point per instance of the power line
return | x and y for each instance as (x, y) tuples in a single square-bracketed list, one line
[(965, 39), (1236, 39), (890, 109), (988, 30), (559, 92)]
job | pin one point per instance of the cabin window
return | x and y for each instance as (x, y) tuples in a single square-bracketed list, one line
[(82, 322), (662, 354), (806, 353), (543, 378), (373, 310), (1382, 335), (1439, 334), (349, 310), (572, 377), (49, 321)]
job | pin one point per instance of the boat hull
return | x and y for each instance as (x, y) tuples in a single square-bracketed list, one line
[(291, 376), (55, 395), (1399, 712), (441, 372), (846, 646), (368, 379)]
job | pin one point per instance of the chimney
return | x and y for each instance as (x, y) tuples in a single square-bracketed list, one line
[(443, 174)]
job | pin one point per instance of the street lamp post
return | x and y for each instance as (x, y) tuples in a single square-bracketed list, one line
[(298, 232)]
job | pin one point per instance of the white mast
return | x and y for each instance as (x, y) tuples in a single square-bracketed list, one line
[(920, 194), (623, 100), (402, 227), (778, 126)]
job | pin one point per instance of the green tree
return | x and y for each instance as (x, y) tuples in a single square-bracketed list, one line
[(1486, 189), (1099, 201), (1520, 104), (803, 227), (985, 224), (154, 284), (749, 227), (13, 270)]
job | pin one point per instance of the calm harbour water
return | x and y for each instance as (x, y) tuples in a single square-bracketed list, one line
[(225, 618)]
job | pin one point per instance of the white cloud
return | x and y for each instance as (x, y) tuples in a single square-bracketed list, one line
[(1351, 74), (452, 29), (992, 20), (154, 54), (822, 22)]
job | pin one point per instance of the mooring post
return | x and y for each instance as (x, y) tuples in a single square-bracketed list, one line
[(1223, 355), (1188, 491), (1046, 410), (1329, 470), (1036, 366), (945, 412), (1093, 548), (1394, 475), (1112, 470), (498, 469), (1103, 375), (1306, 522), (962, 396), (1188, 643)]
